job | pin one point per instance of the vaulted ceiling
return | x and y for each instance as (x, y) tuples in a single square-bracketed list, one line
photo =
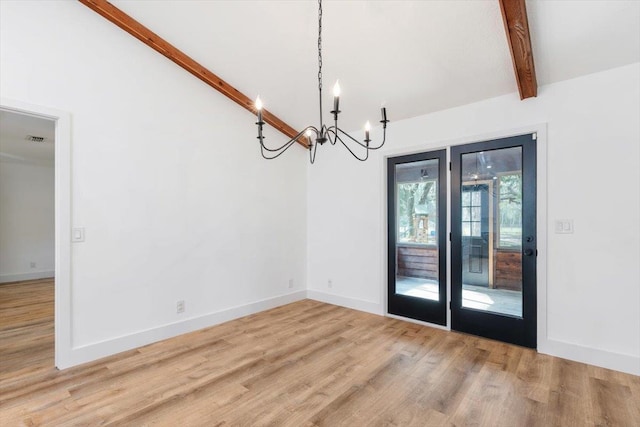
[(415, 56)]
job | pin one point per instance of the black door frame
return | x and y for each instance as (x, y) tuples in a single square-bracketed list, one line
[(403, 305), (521, 331)]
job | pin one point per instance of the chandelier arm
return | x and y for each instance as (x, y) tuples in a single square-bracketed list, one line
[(368, 147), (284, 148), (312, 153), (331, 131), (287, 144), (350, 150), (274, 150), (384, 139)]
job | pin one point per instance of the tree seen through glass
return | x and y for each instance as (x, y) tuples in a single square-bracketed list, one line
[(510, 208), (417, 212)]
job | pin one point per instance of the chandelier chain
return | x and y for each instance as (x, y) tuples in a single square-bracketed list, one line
[(320, 44)]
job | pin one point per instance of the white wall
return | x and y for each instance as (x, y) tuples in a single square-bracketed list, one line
[(593, 276), (167, 181), (26, 221)]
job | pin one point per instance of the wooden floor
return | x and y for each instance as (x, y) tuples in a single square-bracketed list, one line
[(303, 364)]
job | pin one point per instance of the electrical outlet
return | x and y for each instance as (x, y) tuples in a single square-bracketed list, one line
[(564, 226), (330, 283), (180, 307), (32, 264), (290, 283)]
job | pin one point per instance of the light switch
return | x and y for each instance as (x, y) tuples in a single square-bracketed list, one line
[(77, 235), (564, 226)]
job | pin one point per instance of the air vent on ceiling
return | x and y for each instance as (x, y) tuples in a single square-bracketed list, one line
[(33, 138)]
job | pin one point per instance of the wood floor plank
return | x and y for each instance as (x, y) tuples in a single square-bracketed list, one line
[(612, 402), (304, 364), (569, 395)]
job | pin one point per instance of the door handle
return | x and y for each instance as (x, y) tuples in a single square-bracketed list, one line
[(528, 252)]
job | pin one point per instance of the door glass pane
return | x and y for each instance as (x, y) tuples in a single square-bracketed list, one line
[(475, 197), (476, 213), (466, 213), (417, 229), (492, 231)]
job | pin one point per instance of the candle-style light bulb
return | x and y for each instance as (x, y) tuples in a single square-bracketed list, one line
[(367, 128), (259, 108), (336, 99)]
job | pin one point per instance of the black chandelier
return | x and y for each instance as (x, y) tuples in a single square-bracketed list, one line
[(323, 133)]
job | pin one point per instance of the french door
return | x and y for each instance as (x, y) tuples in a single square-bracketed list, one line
[(493, 239), (417, 222)]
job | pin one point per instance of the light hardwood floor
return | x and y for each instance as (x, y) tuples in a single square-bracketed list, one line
[(303, 364)]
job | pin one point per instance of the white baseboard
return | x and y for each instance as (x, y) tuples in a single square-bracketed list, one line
[(18, 277), (356, 304), (87, 353), (592, 356)]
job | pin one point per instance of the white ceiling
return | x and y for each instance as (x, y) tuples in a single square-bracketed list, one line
[(415, 56), (14, 147)]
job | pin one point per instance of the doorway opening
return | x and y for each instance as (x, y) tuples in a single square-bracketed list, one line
[(61, 187), (27, 240)]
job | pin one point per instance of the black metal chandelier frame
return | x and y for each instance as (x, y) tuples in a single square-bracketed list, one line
[(323, 133)]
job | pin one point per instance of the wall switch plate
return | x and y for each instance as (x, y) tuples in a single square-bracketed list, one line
[(180, 306), (290, 283), (564, 226), (32, 264), (77, 234)]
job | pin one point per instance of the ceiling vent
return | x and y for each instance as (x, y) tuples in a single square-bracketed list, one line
[(33, 138)]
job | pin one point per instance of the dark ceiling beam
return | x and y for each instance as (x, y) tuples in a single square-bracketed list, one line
[(157, 43), (516, 25)]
